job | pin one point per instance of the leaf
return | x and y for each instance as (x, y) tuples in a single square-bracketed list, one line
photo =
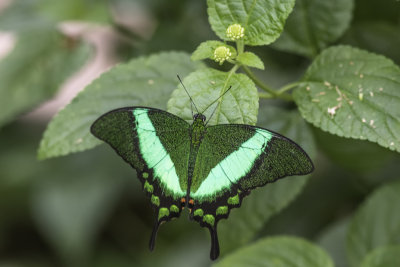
[(333, 240), (244, 223), (263, 21), (70, 213), (353, 93), (206, 50), (28, 14), (378, 37), (250, 59), (383, 257), (146, 81), (375, 224), (88, 10), (358, 156), (34, 70), (313, 25), (239, 105), (278, 251)]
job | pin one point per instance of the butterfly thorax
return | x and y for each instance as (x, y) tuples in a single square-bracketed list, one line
[(198, 128)]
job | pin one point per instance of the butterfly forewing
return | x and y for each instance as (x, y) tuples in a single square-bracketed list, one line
[(157, 145)]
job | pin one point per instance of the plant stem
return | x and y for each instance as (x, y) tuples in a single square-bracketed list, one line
[(265, 95), (259, 82), (288, 87)]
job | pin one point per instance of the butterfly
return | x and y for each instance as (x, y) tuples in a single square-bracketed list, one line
[(207, 169)]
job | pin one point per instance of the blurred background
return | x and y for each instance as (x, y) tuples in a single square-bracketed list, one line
[(87, 209)]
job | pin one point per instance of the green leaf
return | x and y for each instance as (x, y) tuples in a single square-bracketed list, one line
[(70, 213), (313, 25), (263, 21), (376, 223), (278, 251), (378, 37), (250, 59), (146, 81), (244, 223), (383, 257), (27, 14), (333, 240), (239, 105), (74, 10), (34, 70), (353, 93), (206, 50)]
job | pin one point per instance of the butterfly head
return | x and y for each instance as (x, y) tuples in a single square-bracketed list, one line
[(199, 116)]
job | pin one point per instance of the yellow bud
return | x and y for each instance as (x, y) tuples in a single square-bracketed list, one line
[(221, 54), (235, 32)]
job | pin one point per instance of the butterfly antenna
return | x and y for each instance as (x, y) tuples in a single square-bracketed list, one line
[(217, 99), (191, 100)]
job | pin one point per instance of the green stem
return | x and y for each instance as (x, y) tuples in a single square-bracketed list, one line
[(288, 87), (258, 82), (231, 72), (265, 95), (240, 46)]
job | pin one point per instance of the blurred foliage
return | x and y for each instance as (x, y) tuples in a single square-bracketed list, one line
[(87, 209)]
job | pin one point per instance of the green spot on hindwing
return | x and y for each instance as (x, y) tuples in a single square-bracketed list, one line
[(145, 175), (210, 219), (234, 200), (148, 187), (163, 212), (198, 212), (155, 200), (174, 208), (222, 210)]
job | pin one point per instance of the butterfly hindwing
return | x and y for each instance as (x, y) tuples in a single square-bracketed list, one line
[(234, 159), (157, 144)]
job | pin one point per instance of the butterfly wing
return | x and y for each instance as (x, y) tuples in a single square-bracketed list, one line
[(234, 159), (157, 144)]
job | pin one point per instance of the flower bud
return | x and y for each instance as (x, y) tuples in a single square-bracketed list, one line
[(221, 54), (235, 32)]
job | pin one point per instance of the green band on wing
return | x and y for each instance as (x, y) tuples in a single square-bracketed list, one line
[(155, 154), (163, 212), (222, 210), (210, 219), (234, 166), (174, 208), (198, 212)]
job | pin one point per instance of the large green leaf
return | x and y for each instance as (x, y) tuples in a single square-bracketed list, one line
[(27, 14), (376, 223), (379, 37), (333, 240), (146, 81), (383, 257), (239, 105), (263, 20), (278, 251), (34, 70), (74, 10), (314, 24), (353, 93), (70, 213), (244, 223)]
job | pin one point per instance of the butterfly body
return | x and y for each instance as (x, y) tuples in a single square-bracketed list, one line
[(207, 169)]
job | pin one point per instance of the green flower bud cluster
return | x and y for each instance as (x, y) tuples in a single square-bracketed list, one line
[(235, 32), (221, 54)]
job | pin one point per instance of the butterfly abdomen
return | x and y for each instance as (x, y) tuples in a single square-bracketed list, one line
[(197, 132)]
